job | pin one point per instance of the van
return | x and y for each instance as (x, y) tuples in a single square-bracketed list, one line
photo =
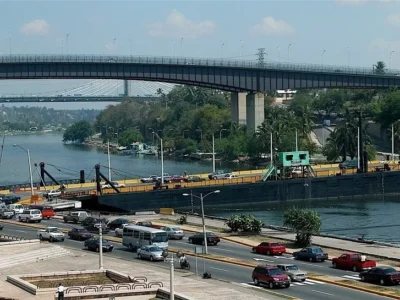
[(30, 215), (47, 211), (17, 208)]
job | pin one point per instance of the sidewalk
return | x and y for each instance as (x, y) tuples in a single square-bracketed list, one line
[(386, 252)]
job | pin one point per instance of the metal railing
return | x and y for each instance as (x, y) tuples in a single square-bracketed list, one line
[(191, 61)]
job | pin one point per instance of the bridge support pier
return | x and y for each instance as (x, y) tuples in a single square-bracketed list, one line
[(238, 108), (127, 88), (254, 111)]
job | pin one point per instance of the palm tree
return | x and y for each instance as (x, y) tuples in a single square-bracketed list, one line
[(379, 68)]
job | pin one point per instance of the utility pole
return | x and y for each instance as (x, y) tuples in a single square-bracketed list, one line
[(261, 56)]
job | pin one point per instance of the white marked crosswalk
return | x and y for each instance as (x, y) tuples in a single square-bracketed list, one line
[(293, 284), (354, 277), (284, 257)]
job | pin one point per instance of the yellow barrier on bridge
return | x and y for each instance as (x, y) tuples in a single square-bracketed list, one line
[(167, 211)]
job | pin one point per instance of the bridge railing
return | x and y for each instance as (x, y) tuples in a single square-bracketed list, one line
[(187, 61)]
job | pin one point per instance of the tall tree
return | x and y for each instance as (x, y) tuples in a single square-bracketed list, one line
[(78, 132)]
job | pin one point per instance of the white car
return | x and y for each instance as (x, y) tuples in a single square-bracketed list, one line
[(51, 233), (52, 194), (230, 176), (116, 184), (120, 229), (30, 215)]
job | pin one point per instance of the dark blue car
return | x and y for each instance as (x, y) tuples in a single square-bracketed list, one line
[(311, 254), (94, 245)]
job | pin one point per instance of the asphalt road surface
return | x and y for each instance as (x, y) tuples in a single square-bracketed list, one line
[(239, 275)]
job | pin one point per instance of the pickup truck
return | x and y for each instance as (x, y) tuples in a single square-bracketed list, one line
[(353, 261), (6, 213), (52, 194), (51, 233)]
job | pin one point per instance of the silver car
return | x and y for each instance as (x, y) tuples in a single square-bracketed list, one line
[(174, 232), (293, 271), (152, 253)]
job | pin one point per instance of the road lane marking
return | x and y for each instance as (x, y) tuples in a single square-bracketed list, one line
[(262, 259), (297, 283), (315, 281), (18, 230), (284, 257), (218, 269), (323, 293), (354, 277)]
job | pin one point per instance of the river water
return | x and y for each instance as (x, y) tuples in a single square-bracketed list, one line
[(376, 219)]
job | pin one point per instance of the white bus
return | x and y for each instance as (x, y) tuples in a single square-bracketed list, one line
[(135, 237)]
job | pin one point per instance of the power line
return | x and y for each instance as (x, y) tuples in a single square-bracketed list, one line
[(261, 55)]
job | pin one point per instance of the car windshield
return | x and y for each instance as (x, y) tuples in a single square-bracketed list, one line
[(83, 230), (274, 244), (154, 249), (210, 234), (175, 228), (160, 237), (35, 211), (54, 230), (275, 272), (317, 250), (292, 268), (389, 271)]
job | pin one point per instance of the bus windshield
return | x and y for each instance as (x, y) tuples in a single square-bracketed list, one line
[(160, 237)]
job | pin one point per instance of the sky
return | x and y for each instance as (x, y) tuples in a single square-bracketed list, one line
[(356, 33)]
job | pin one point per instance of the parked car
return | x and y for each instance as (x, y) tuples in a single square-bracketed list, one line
[(269, 248), (194, 179), (79, 234), (198, 238), (353, 261), (150, 179), (311, 254), (10, 199), (94, 244), (116, 184), (94, 227), (349, 164), (30, 215), (117, 223), (52, 194), (76, 216), (270, 275), (382, 275), (6, 213), (91, 220), (174, 232), (17, 208), (219, 174), (47, 211), (167, 178), (145, 224), (152, 253), (293, 271), (51, 233), (176, 179)]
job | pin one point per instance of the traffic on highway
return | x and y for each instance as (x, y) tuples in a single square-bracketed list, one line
[(303, 288)]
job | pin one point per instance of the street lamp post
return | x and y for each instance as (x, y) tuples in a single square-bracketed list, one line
[(9, 41), (322, 57), (279, 53), (101, 246), (220, 133), (173, 41), (30, 167), (162, 157), (213, 150), (66, 43), (390, 58), (222, 46), (348, 57), (201, 197), (288, 52), (130, 45), (241, 41)]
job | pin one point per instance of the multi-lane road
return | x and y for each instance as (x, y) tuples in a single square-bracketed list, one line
[(239, 275)]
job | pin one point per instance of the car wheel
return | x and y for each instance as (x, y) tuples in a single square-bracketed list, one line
[(97, 249), (382, 282), (48, 218), (190, 241), (131, 247), (271, 285), (354, 268), (311, 259), (65, 221), (40, 237), (139, 256), (268, 253), (19, 219), (334, 265), (62, 240), (362, 278), (27, 220), (51, 239), (288, 285), (296, 257), (151, 258), (256, 282), (39, 221)]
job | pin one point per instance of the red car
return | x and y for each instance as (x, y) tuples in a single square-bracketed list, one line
[(353, 261), (176, 178), (270, 275), (269, 249)]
